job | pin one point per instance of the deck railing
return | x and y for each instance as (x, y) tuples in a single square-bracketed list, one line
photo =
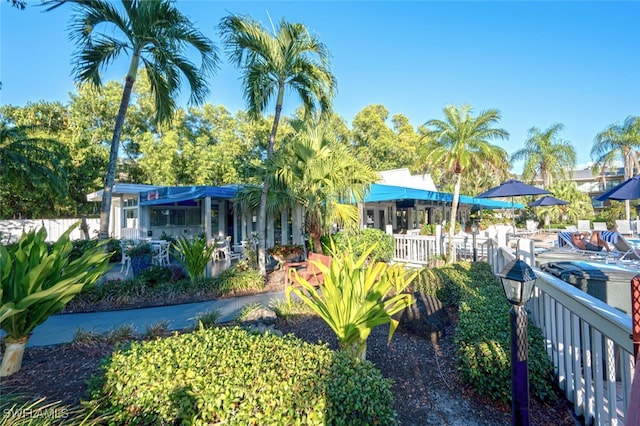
[(587, 340)]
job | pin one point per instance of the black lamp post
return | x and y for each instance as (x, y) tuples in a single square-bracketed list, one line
[(517, 281), (474, 232)]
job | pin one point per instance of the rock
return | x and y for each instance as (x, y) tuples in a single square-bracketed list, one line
[(426, 318)]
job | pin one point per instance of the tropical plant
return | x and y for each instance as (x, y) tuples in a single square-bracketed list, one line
[(292, 59), (618, 142), (284, 250), (356, 297), (36, 283), (155, 34), (579, 207), (29, 162), (460, 142), (546, 155), (322, 176), (194, 254)]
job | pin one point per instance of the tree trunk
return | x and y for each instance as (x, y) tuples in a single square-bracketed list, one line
[(358, 350), (12, 357), (105, 209), (454, 213), (262, 212)]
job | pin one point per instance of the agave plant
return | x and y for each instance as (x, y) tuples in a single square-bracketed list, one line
[(194, 255), (36, 283), (356, 297)]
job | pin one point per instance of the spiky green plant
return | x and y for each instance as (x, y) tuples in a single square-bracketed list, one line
[(194, 254), (36, 283), (356, 297)]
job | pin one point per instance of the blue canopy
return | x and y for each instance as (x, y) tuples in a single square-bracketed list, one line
[(182, 194), (378, 192)]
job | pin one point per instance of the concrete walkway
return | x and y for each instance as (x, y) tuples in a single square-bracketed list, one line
[(61, 328)]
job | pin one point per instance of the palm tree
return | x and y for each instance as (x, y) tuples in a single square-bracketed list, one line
[(26, 159), (322, 176), (460, 141), (290, 59), (156, 35), (546, 155), (619, 142)]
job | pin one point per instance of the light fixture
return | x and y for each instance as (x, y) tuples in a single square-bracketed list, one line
[(518, 280)]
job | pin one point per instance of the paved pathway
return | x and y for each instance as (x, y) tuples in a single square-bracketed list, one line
[(61, 328)]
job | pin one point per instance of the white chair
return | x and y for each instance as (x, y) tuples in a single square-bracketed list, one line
[(532, 226), (584, 225), (224, 250), (125, 263), (623, 227), (160, 250), (599, 226)]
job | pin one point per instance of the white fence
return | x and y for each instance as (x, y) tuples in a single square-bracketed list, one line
[(588, 341), (11, 230)]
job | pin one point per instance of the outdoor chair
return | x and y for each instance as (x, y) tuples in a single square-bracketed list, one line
[(224, 251), (622, 245), (584, 225), (532, 226), (599, 226), (624, 227), (125, 263), (565, 241)]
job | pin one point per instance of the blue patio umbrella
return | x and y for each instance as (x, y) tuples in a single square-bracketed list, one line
[(548, 200), (627, 190), (512, 188)]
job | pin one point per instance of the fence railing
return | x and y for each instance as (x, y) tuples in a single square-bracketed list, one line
[(422, 249), (588, 342), (11, 230)]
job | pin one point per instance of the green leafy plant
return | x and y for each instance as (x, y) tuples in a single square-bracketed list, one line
[(139, 250), (356, 297), (208, 319), (252, 380), (194, 255), (362, 240), (284, 250), (36, 283)]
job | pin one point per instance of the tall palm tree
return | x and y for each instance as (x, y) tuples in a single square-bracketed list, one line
[(546, 155), (322, 176), (156, 35), (460, 141), (290, 59), (618, 142)]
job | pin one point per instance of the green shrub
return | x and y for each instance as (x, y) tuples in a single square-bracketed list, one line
[(229, 376), (78, 247), (483, 338), (238, 278), (194, 254), (361, 241)]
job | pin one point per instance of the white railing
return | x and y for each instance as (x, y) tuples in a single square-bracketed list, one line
[(587, 340), (420, 249), (11, 230)]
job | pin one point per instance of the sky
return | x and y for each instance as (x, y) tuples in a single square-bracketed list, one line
[(538, 63)]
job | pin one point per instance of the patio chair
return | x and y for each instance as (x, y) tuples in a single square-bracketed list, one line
[(125, 263), (584, 225), (224, 251), (565, 241), (599, 226), (532, 226), (571, 228), (622, 245), (624, 227)]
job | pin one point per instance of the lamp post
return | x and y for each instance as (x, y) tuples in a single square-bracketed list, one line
[(517, 281), (474, 232)]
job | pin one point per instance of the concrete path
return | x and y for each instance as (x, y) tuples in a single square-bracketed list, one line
[(61, 328)]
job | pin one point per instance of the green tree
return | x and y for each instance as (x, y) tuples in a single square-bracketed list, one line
[(579, 206), (155, 35), (320, 174), (31, 166), (291, 59), (460, 141), (619, 141), (546, 155)]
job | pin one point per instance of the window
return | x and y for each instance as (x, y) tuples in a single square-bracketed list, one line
[(174, 217)]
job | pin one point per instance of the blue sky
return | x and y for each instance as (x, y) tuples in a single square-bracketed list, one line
[(538, 63)]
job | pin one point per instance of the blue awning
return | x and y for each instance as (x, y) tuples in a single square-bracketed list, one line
[(378, 193), (180, 194)]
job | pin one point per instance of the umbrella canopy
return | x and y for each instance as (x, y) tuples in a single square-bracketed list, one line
[(512, 188), (548, 200), (627, 190)]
